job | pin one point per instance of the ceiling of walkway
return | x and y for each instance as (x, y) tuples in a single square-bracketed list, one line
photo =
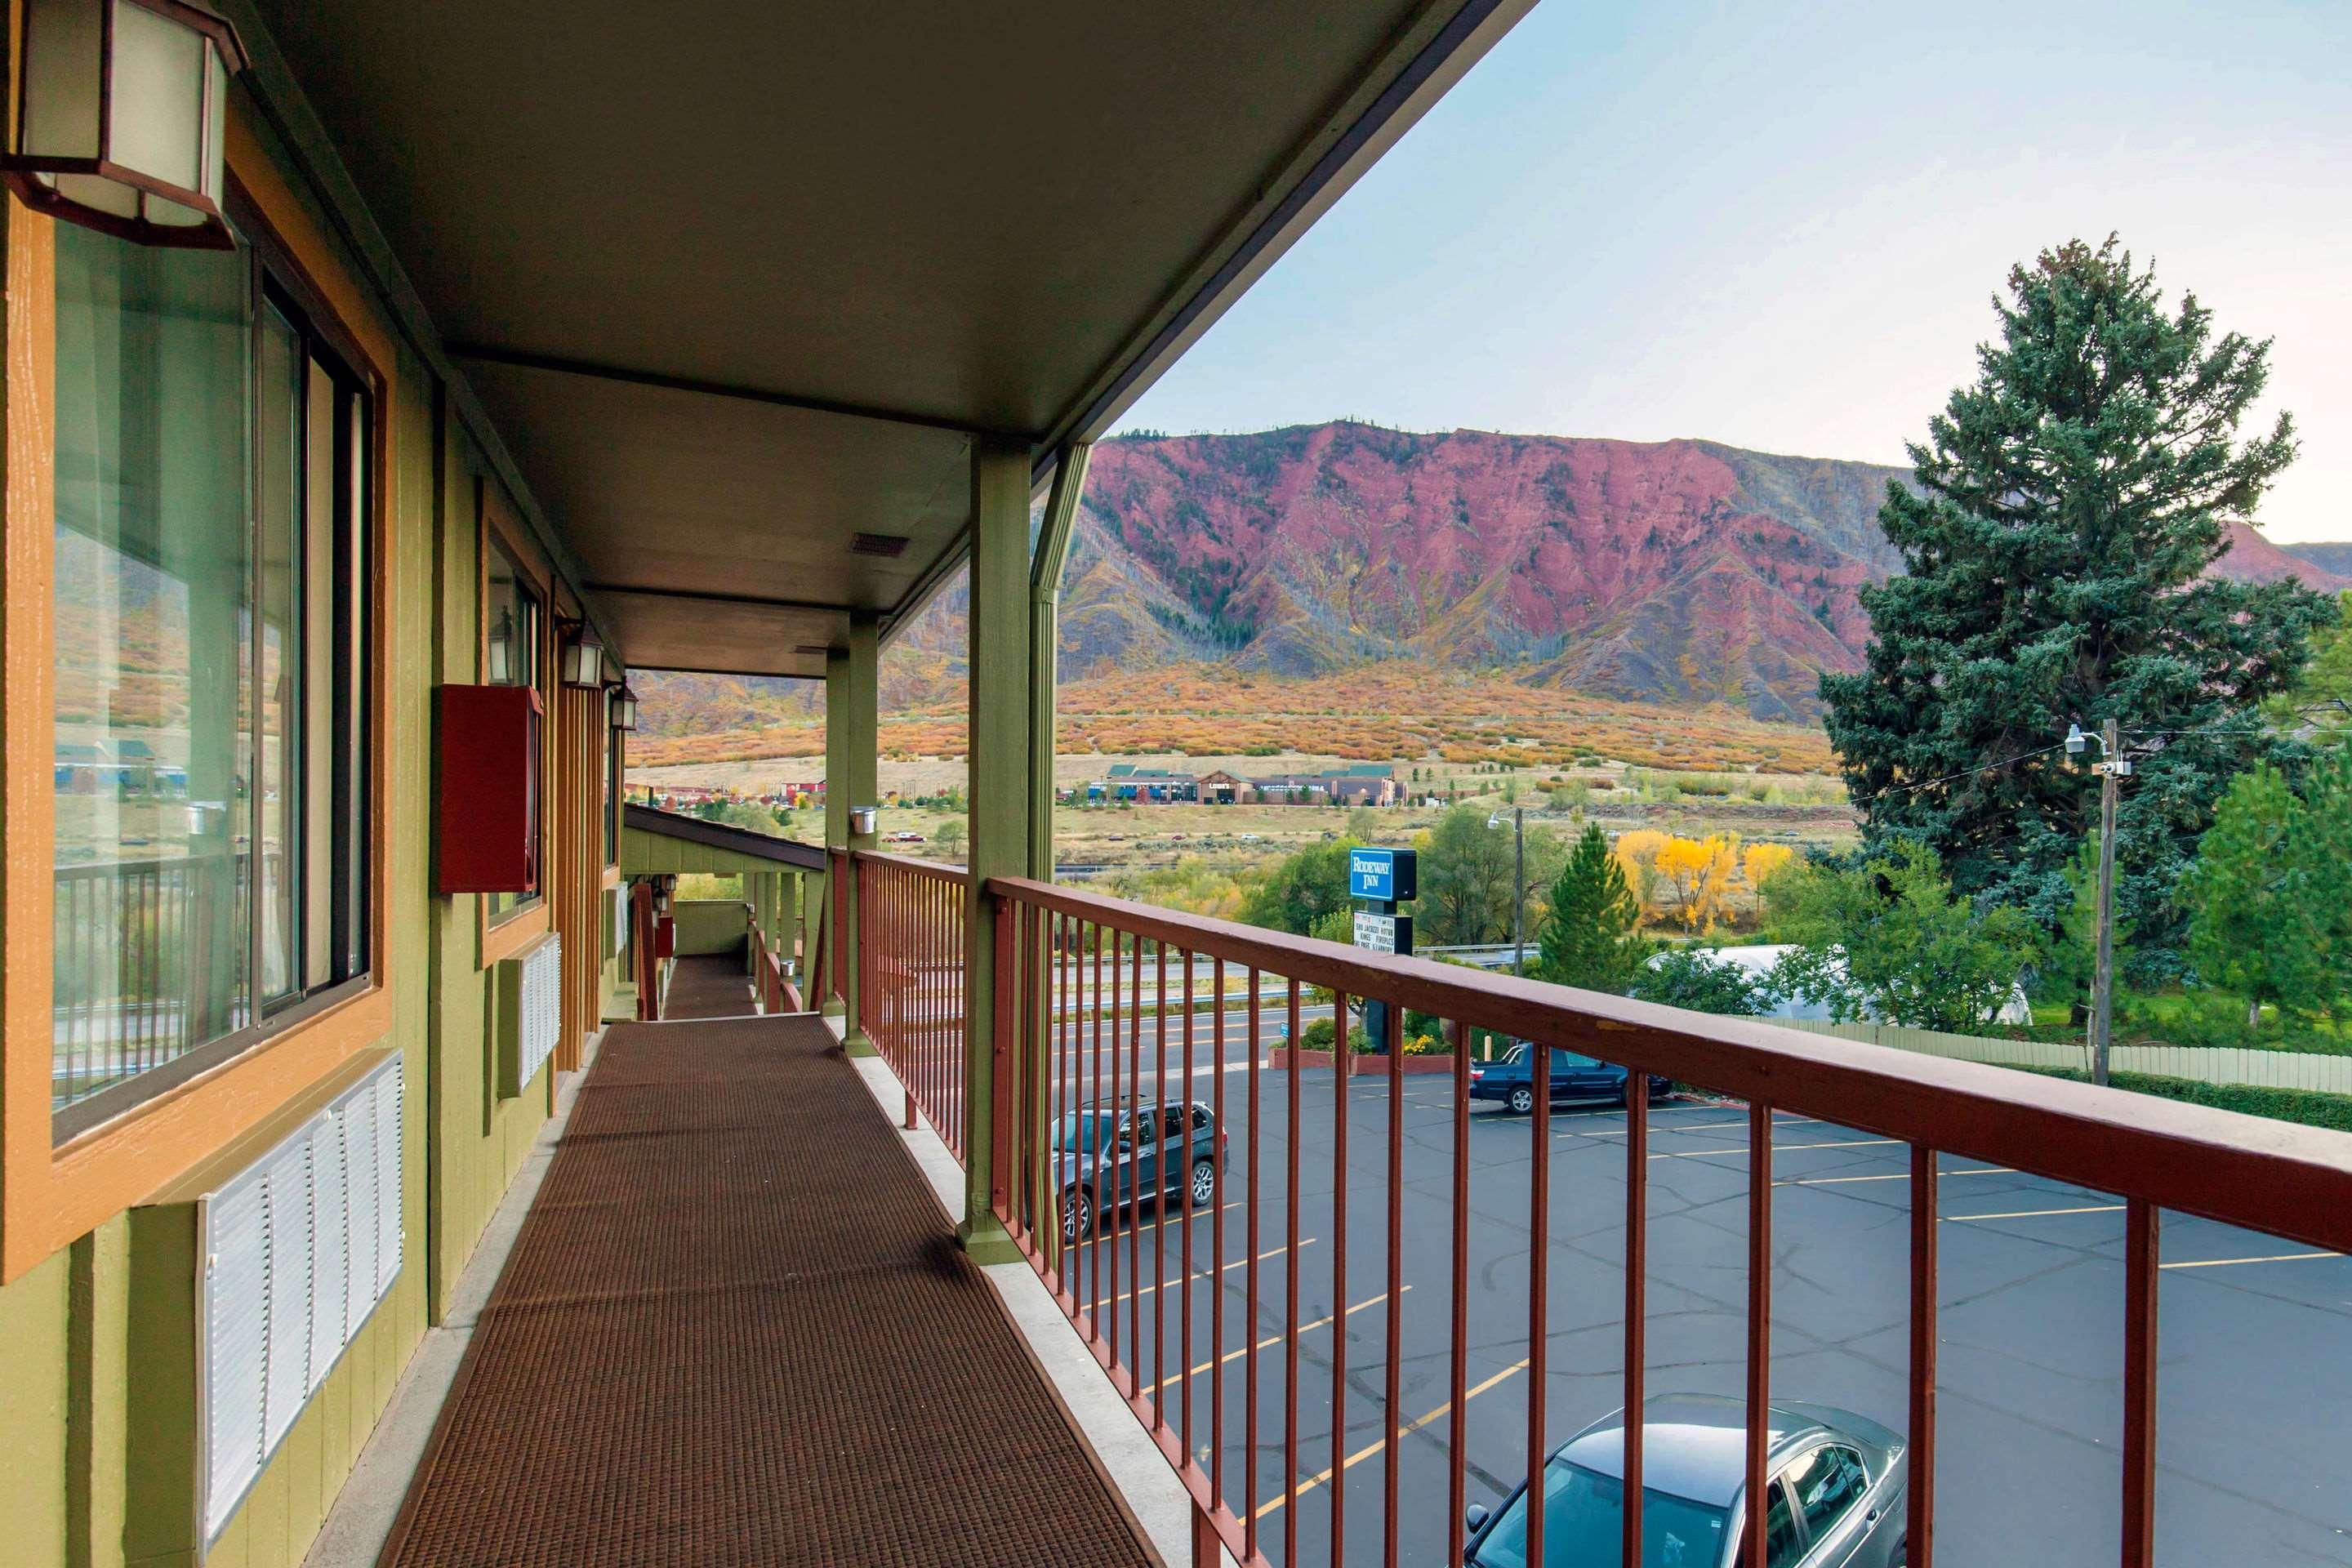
[(738, 283)]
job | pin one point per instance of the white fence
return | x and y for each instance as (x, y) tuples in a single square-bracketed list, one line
[(2258, 1070)]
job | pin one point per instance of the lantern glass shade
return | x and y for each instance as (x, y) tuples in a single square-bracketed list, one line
[(122, 107), (624, 708), (583, 662)]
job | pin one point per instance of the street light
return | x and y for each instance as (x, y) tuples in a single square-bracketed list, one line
[(1519, 905), (2111, 767)]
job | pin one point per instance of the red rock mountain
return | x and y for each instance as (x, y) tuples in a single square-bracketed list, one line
[(1677, 572)]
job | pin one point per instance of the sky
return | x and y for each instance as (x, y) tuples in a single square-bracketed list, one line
[(1681, 219)]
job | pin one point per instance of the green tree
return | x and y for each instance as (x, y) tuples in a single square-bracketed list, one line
[(1467, 870), (2056, 549), (1886, 940), (2322, 700), (2070, 962), (2268, 895), (1590, 935), (1301, 888), (1688, 977), (950, 834), (2249, 926)]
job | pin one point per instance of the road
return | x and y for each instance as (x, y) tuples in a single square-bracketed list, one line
[(2255, 1335)]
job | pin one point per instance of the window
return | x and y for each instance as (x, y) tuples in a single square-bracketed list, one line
[(1828, 1482), (212, 653), (1584, 1522), (514, 618), (613, 762), (1781, 1543)]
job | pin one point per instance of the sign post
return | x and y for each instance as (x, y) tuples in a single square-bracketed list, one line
[(1381, 879)]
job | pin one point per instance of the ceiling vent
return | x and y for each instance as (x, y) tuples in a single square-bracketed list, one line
[(889, 546)]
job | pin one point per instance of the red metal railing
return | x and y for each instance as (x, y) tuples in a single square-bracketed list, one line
[(1082, 980), (910, 994)]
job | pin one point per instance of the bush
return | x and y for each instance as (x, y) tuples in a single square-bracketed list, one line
[(2307, 1107)]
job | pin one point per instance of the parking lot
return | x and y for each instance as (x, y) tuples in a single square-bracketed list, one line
[(2255, 1335)]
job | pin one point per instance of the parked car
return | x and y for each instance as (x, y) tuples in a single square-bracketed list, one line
[(1105, 1159), (1836, 1497), (1511, 1080)]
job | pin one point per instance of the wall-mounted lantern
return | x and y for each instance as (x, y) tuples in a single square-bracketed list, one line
[(122, 107), (583, 657), (624, 708)]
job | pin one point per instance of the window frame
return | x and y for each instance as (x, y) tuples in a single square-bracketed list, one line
[(52, 1193), (277, 287), (498, 527), (274, 269)]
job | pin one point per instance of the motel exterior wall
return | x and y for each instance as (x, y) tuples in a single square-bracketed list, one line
[(87, 1384)]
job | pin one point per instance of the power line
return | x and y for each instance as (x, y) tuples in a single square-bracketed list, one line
[(1963, 773)]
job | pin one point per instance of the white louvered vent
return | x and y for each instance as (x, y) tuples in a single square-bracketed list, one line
[(300, 1247), (617, 919), (531, 1009)]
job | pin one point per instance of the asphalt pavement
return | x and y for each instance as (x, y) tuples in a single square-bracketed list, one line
[(2255, 1335)]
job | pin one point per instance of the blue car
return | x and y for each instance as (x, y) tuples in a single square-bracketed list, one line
[(1107, 1159), (1511, 1080)]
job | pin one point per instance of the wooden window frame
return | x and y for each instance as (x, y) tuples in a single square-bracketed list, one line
[(53, 1191), (495, 518)]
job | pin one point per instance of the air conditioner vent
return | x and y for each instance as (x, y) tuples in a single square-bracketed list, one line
[(297, 1249), (889, 546), (531, 1012)]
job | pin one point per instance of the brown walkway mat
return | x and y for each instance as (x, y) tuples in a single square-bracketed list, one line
[(709, 986), (736, 1329)]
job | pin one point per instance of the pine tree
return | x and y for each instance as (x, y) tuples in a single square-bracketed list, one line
[(2254, 923), (2068, 505), (1588, 938)]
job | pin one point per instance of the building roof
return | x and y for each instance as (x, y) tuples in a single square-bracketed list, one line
[(724, 288)]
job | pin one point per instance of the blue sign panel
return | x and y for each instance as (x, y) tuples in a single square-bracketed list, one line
[(1388, 875)]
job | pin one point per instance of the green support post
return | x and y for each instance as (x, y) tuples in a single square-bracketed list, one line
[(1044, 643), (852, 743), (1001, 793), (1044, 646)]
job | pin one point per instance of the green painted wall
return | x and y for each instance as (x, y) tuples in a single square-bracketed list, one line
[(78, 1393), (478, 1140), (708, 925)]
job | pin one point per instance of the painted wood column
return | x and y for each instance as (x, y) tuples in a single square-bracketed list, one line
[(1044, 643), (1000, 794), (851, 753)]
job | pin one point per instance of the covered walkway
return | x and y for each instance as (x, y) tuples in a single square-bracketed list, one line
[(709, 986), (736, 1329)]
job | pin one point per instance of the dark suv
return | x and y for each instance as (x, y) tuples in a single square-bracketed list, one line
[(1511, 1080), (1105, 1159)]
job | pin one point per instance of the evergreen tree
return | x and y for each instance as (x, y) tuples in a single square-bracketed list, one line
[(2068, 505), (2250, 930), (1588, 937)]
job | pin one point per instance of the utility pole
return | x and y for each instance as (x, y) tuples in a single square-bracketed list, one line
[(1519, 904), (2112, 767)]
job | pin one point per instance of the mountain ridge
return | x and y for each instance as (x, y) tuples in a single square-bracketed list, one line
[(1681, 573)]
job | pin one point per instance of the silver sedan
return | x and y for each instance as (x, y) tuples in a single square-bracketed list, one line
[(1834, 1498)]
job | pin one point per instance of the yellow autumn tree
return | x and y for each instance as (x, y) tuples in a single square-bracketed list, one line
[(1697, 873), (1762, 863), (1637, 855)]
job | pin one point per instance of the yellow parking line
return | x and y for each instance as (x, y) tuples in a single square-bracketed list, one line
[(1369, 1449), (1303, 1327), (1202, 1218), (2037, 1213), (1204, 1273), (2274, 1258)]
